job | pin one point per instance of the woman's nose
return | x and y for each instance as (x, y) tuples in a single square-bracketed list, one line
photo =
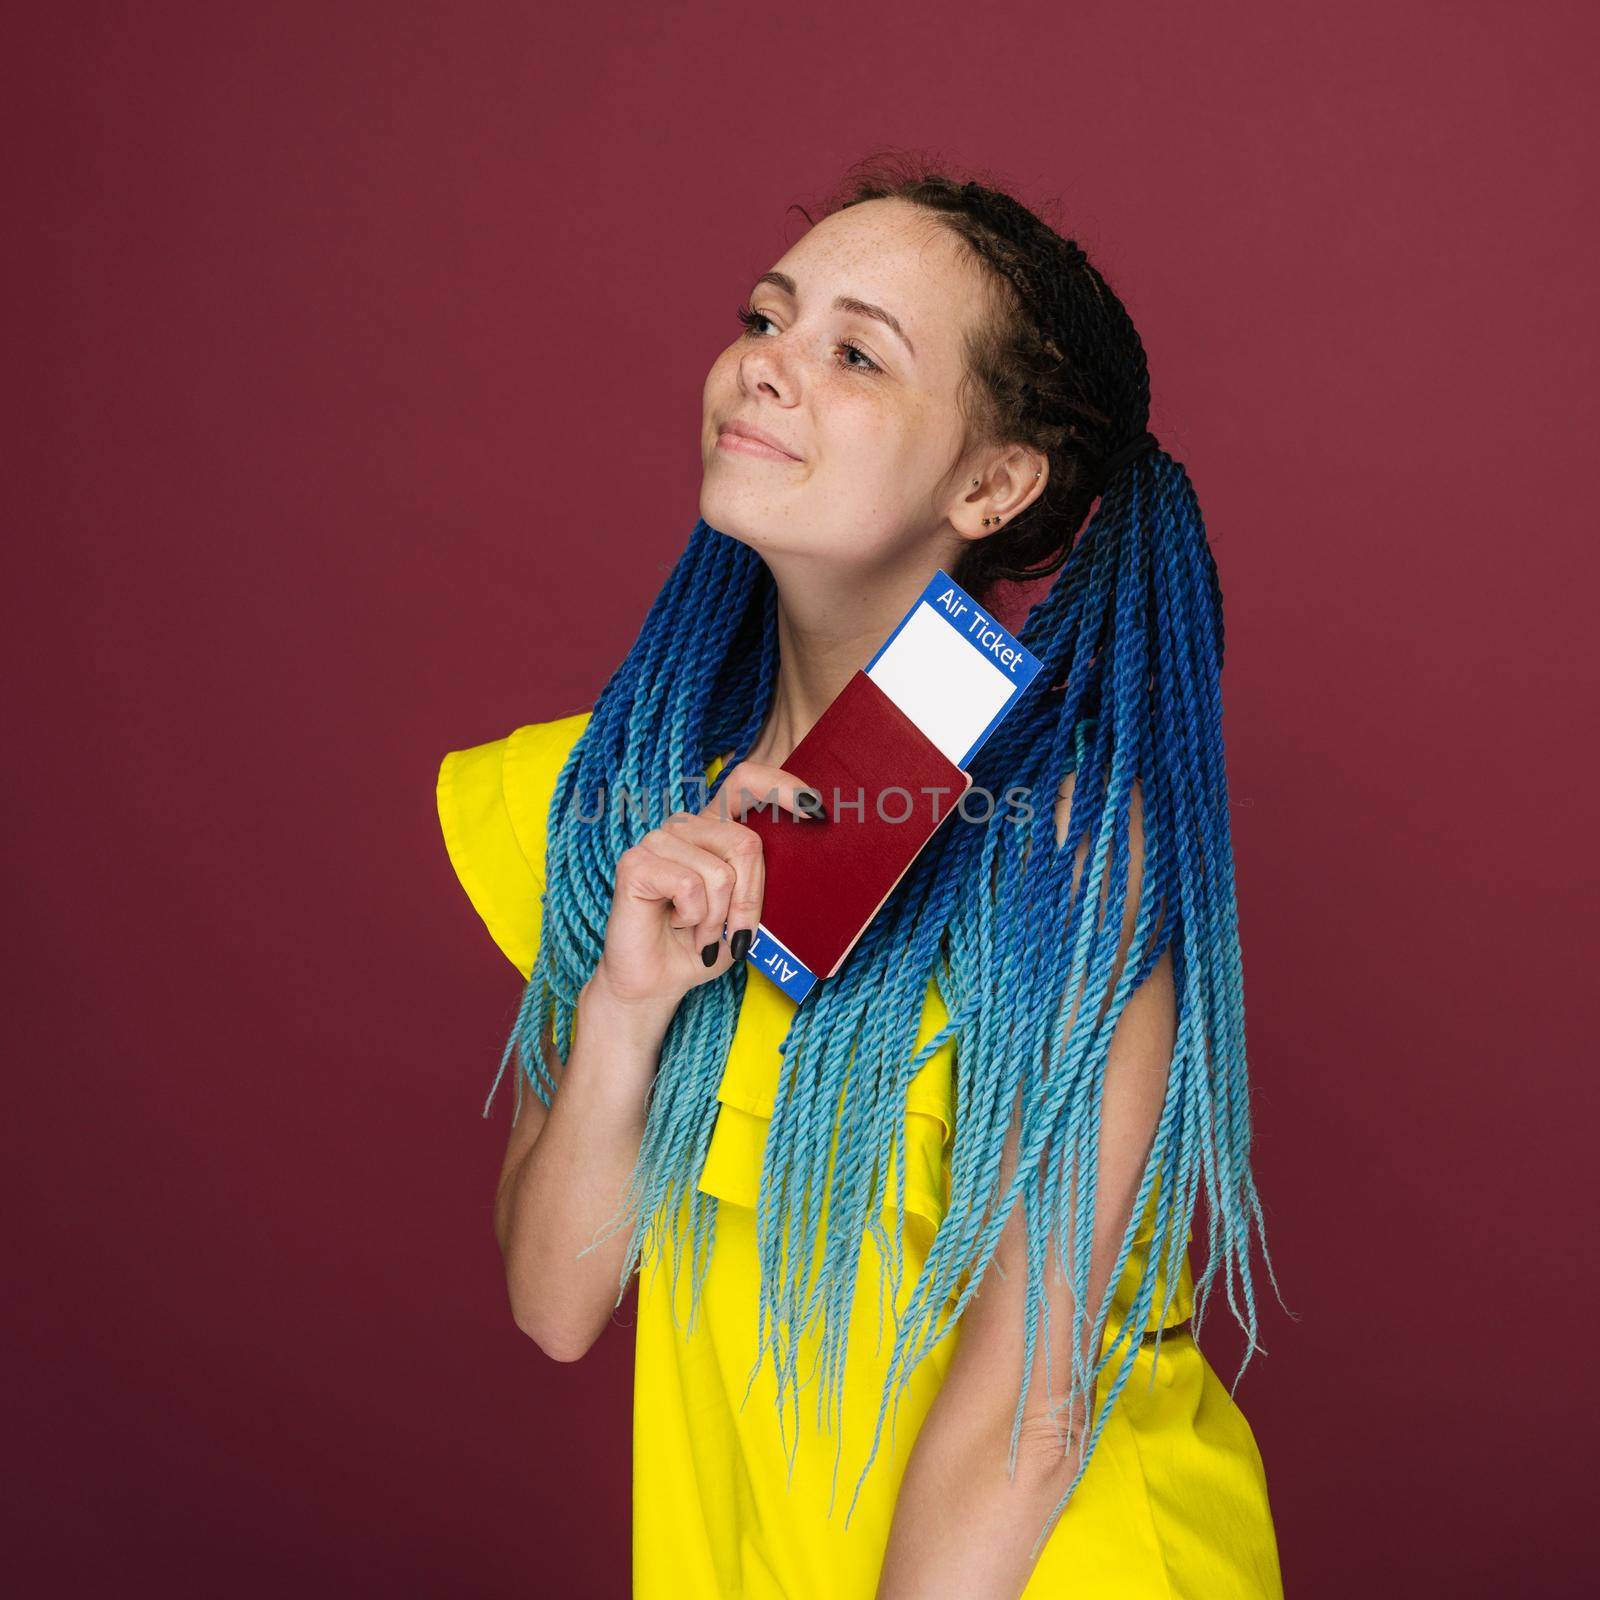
[(766, 367)]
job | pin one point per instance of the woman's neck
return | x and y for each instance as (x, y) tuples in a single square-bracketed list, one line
[(824, 638)]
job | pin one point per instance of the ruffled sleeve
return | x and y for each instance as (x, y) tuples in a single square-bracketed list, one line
[(494, 802)]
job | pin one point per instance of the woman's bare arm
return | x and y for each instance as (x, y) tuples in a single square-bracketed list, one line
[(566, 1173), (962, 1525)]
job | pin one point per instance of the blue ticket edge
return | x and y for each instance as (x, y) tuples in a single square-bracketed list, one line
[(775, 960), (943, 595)]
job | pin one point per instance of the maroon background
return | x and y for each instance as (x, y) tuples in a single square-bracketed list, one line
[(356, 360)]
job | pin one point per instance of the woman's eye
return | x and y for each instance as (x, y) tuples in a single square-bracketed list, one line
[(756, 322), (871, 365)]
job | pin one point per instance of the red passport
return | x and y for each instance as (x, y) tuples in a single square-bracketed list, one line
[(886, 788)]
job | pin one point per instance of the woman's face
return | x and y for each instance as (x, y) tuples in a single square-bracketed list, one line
[(863, 404)]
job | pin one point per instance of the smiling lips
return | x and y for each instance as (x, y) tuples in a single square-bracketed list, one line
[(747, 439)]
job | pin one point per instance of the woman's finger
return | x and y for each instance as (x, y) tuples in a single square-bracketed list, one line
[(685, 840), (645, 874), (749, 784), (739, 848)]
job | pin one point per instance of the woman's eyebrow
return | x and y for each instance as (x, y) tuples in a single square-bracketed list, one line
[(843, 302)]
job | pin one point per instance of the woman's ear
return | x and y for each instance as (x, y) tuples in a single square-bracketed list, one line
[(1007, 486)]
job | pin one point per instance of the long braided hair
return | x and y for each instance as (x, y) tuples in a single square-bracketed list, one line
[(1131, 640)]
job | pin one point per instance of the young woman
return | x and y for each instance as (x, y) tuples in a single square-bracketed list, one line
[(916, 1315)]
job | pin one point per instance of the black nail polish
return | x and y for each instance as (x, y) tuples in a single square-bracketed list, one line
[(739, 944), (709, 955), (811, 804)]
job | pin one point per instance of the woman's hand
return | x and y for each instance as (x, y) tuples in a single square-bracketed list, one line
[(682, 882)]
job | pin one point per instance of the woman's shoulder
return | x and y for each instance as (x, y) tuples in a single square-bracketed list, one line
[(493, 802)]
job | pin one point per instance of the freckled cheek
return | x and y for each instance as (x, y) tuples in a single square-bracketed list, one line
[(723, 376), (720, 394), (724, 373), (860, 408)]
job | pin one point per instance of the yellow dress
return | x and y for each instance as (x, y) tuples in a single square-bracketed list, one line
[(1174, 1503)]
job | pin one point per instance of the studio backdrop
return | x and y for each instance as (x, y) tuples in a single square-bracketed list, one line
[(347, 345)]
